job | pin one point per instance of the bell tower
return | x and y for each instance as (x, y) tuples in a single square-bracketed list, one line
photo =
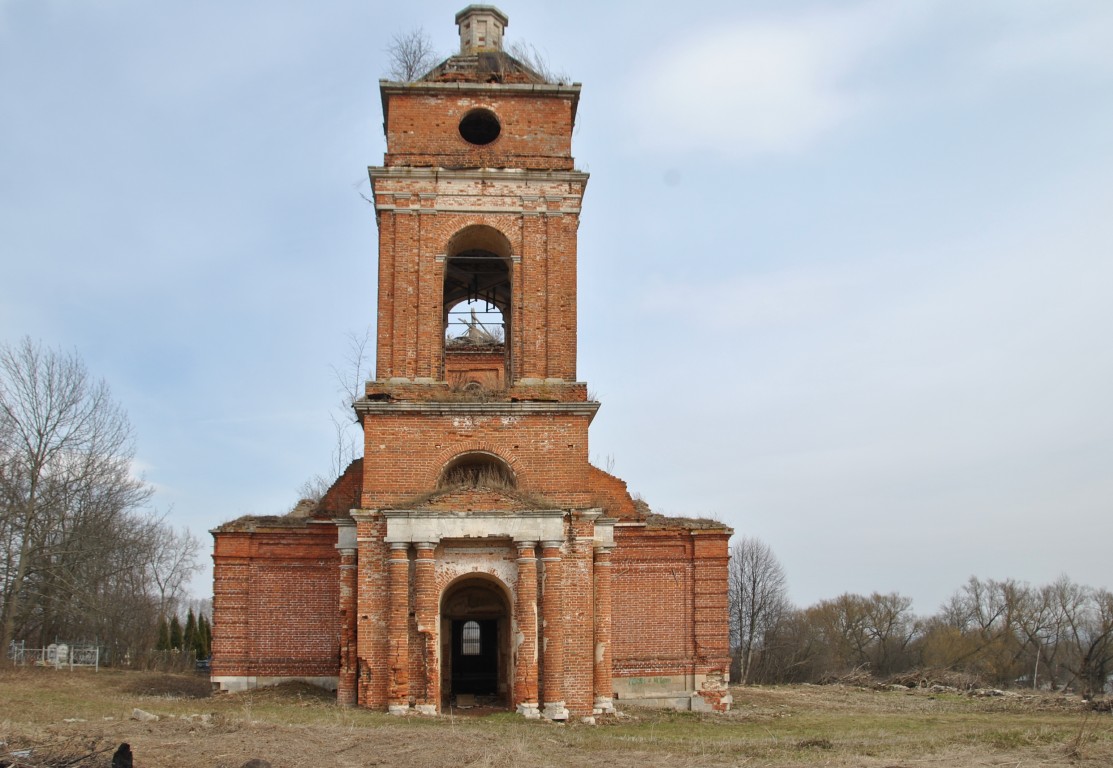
[(478, 206), (475, 427)]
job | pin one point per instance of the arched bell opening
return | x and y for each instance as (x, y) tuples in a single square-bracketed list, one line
[(477, 309), (475, 643)]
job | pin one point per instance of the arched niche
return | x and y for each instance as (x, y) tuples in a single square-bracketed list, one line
[(476, 469)]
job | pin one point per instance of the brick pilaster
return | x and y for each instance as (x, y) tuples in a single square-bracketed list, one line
[(425, 609), (552, 644), (346, 683), (398, 632), (525, 643), (371, 621), (603, 685)]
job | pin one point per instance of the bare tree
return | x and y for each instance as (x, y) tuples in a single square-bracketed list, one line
[(1087, 615), (411, 55), (757, 591), (350, 380), (352, 376), (65, 467), (892, 627), (171, 558)]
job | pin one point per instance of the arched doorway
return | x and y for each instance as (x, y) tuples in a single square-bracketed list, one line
[(475, 643)]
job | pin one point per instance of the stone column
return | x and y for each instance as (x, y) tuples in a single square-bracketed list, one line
[(552, 643), (346, 684), (425, 610), (603, 684), (525, 641), (398, 629)]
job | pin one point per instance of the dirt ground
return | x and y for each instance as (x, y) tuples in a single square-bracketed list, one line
[(79, 718)]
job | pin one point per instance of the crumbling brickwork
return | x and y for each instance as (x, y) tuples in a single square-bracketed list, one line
[(474, 553)]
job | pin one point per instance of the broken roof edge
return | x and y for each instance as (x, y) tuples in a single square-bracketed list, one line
[(693, 524), (403, 86), (253, 523)]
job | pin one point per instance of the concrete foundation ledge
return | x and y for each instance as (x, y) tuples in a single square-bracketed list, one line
[(555, 710), (700, 692), (529, 711), (234, 683), (603, 706), (682, 702)]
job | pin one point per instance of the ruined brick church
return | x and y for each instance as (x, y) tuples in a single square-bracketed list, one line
[(474, 554)]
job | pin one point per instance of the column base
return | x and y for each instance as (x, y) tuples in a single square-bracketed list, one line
[(425, 709), (555, 710), (398, 709), (604, 705), (529, 711)]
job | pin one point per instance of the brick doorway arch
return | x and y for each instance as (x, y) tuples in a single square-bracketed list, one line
[(475, 643)]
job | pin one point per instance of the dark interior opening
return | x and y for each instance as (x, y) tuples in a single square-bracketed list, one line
[(475, 645), (480, 126), (475, 657)]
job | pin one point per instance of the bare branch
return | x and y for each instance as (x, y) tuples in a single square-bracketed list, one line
[(411, 55)]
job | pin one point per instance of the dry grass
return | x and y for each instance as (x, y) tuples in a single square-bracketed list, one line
[(64, 715)]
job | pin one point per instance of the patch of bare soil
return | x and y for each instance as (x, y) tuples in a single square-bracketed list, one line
[(168, 685), (50, 718)]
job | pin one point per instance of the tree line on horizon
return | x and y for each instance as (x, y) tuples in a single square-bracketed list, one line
[(1057, 636)]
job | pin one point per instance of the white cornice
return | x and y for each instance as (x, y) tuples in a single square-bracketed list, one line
[(529, 408), (517, 175)]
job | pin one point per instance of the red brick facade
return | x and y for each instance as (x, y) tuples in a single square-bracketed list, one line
[(474, 553)]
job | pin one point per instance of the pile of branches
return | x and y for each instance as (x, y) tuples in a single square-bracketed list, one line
[(928, 678)]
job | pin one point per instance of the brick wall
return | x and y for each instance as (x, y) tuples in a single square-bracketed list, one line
[(422, 126), (404, 454), (275, 600), (669, 601), (344, 494)]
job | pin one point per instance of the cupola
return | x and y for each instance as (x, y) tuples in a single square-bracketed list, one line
[(481, 29)]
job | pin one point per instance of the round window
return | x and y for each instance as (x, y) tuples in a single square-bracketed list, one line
[(480, 126)]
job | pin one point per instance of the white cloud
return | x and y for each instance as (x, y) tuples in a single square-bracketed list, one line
[(1064, 36), (780, 85), (756, 86)]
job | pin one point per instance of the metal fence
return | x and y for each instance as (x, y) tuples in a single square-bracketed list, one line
[(57, 655)]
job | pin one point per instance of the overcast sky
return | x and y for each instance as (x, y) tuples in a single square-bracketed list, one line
[(846, 269)]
